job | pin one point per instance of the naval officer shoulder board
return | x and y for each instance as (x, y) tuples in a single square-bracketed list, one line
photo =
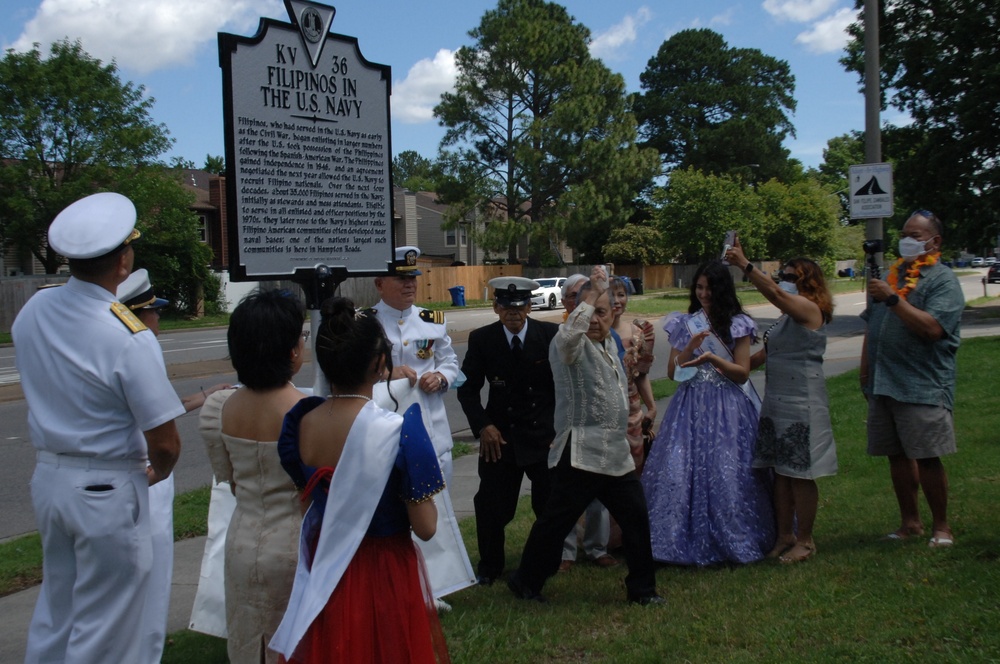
[(429, 316), (129, 319), (426, 315)]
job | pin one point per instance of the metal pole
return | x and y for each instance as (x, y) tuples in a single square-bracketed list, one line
[(873, 107)]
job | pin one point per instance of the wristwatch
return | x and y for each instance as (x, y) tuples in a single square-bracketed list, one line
[(748, 269), (892, 300)]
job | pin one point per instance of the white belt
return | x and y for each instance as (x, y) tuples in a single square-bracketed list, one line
[(90, 463)]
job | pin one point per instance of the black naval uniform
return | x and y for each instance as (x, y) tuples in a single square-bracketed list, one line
[(521, 405)]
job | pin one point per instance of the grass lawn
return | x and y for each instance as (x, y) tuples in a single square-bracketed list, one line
[(860, 599), (678, 299)]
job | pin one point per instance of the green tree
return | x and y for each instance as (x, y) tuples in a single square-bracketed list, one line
[(718, 109), (635, 244), (798, 219), (542, 134), (216, 165), (170, 246), (694, 211), (939, 65), (774, 220), (412, 171), (68, 127)]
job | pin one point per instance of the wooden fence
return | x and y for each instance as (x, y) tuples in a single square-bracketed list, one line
[(15, 291)]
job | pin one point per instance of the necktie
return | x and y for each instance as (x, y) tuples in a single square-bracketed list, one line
[(515, 348)]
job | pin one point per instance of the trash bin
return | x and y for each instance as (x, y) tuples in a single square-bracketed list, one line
[(457, 296), (850, 272), (637, 284)]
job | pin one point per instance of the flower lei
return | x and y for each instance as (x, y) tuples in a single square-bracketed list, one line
[(912, 273)]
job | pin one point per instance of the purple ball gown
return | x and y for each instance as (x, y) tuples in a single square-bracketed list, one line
[(707, 504)]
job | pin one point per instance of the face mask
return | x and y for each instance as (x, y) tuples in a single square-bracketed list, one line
[(682, 374), (788, 287), (910, 248)]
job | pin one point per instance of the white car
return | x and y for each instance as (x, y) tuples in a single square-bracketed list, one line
[(978, 262), (549, 295)]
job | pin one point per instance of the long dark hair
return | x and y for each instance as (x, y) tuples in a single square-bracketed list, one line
[(264, 329), (725, 304), (348, 342)]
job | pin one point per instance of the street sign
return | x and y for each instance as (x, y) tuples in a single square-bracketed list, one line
[(308, 153), (871, 190)]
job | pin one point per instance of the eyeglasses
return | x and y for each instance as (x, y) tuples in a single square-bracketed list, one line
[(788, 276)]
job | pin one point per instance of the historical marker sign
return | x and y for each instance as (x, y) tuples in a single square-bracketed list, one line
[(871, 190), (308, 149)]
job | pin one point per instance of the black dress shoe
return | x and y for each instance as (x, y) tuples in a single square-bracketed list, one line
[(648, 600), (484, 580), (524, 592)]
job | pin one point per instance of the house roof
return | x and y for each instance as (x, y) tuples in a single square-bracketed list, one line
[(196, 182)]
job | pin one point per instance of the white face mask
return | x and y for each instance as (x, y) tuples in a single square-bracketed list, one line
[(788, 287), (910, 248)]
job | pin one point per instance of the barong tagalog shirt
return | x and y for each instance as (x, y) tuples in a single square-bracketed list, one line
[(591, 403)]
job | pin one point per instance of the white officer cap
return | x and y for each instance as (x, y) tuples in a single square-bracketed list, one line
[(513, 291), (93, 226), (136, 292), (405, 264)]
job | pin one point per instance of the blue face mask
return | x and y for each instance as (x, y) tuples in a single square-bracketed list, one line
[(682, 374), (788, 287)]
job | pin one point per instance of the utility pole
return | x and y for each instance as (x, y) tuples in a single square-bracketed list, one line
[(873, 108)]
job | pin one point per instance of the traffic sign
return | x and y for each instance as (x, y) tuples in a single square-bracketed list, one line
[(871, 190)]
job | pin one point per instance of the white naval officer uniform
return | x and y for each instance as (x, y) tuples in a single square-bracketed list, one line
[(136, 292), (92, 386), (424, 345)]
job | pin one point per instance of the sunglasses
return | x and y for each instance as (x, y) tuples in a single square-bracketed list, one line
[(788, 276)]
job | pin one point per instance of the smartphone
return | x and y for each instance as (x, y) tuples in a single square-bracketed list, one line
[(727, 244)]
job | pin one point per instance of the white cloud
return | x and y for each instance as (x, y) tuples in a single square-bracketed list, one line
[(606, 44), (725, 18), (800, 11), (414, 98), (828, 35), (141, 35)]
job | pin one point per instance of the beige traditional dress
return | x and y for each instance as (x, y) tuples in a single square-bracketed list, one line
[(263, 538)]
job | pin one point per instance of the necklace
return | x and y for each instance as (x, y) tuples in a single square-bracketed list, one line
[(350, 396), (912, 273)]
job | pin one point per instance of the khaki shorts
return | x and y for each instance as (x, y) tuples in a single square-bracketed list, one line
[(915, 430)]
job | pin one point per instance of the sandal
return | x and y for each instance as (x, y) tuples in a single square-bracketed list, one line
[(810, 551), (780, 548), (904, 534), (942, 539)]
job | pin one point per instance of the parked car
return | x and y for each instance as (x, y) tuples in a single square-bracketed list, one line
[(978, 262), (991, 261), (993, 276), (549, 295)]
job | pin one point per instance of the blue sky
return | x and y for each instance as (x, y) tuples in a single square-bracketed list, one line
[(170, 47)]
